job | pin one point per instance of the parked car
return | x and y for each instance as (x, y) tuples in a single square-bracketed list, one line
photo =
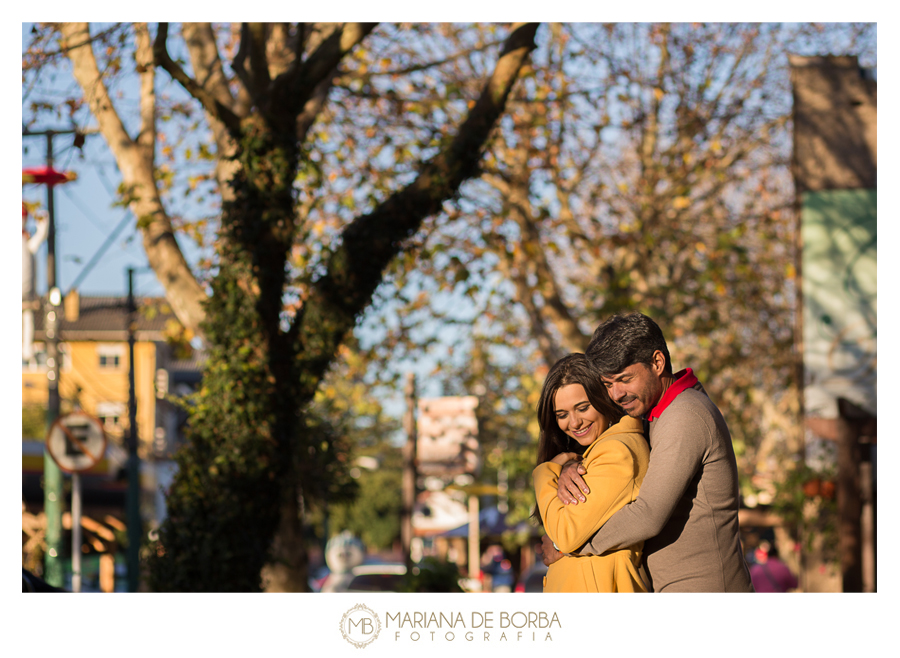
[(366, 578), (31, 583), (533, 579)]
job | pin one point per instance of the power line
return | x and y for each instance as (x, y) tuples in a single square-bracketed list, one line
[(87, 215), (96, 257)]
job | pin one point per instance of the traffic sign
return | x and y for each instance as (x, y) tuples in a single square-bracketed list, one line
[(447, 441), (76, 442)]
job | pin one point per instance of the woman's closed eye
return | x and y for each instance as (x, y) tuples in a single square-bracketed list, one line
[(580, 409)]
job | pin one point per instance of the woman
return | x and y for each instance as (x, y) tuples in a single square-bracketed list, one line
[(576, 416)]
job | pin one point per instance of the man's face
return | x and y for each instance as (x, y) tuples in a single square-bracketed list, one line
[(638, 388)]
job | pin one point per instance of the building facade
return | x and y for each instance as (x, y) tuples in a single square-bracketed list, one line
[(94, 375)]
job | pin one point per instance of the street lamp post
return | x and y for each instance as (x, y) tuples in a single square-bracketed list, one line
[(409, 472), (53, 482), (133, 503)]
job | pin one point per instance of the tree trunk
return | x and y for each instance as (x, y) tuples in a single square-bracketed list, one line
[(233, 503), (288, 567)]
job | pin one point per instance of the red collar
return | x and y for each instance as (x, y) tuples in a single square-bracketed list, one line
[(684, 380)]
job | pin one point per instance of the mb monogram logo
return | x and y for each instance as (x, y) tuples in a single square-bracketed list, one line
[(360, 626)]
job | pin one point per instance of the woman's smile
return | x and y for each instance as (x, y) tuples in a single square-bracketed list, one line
[(580, 433)]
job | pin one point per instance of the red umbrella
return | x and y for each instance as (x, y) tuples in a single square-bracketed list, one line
[(47, 175)]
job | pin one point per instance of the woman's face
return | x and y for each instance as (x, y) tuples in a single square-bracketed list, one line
[(575, 415)]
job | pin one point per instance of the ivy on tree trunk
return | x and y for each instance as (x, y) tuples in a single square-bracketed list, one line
[(250, 452)]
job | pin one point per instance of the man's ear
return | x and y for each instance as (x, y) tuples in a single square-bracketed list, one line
[(658, 363)]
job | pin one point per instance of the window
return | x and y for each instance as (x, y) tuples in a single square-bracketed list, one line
[(110, 356), (112, 415), (38, 360)]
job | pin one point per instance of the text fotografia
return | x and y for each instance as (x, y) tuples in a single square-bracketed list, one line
[(479, 626)]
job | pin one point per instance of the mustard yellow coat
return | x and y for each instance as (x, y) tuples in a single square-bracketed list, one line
[(616, 464)]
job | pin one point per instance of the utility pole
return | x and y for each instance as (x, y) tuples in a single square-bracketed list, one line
[(53, 480), (409, 471), (133, 497)]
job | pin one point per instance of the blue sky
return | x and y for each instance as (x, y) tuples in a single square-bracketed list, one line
[(83, 209), (85, 218)]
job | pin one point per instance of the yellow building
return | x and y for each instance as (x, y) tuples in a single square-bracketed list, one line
[(94, 375), (94, 367)]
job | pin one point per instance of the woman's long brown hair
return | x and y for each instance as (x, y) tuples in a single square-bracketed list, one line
[(571, 369)]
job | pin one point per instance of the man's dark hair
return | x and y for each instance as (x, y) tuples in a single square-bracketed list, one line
[(623, 340)]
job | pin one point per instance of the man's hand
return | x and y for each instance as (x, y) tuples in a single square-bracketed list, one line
[(571, 487), (549, 554)]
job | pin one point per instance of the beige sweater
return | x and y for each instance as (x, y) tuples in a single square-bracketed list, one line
[(687, 509)]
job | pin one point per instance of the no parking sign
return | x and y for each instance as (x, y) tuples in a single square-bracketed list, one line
[(76, 442)]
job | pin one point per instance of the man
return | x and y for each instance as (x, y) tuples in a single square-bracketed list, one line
[(687, 510)]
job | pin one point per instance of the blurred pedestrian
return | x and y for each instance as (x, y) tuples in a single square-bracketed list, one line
[(769, 573)]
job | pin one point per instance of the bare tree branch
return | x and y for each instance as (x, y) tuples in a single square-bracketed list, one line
[(147, 73), (210, 74), (312, 108), (351, 280), (239, 63), (531, 257), (205, 61), (76, 44), (259, 64), (210, 103), (36, 58), (430, 65), (547, 344), (294, 88), (136, 164), (280, 51)]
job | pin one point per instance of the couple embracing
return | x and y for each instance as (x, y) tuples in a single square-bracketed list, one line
[(621, 514)]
